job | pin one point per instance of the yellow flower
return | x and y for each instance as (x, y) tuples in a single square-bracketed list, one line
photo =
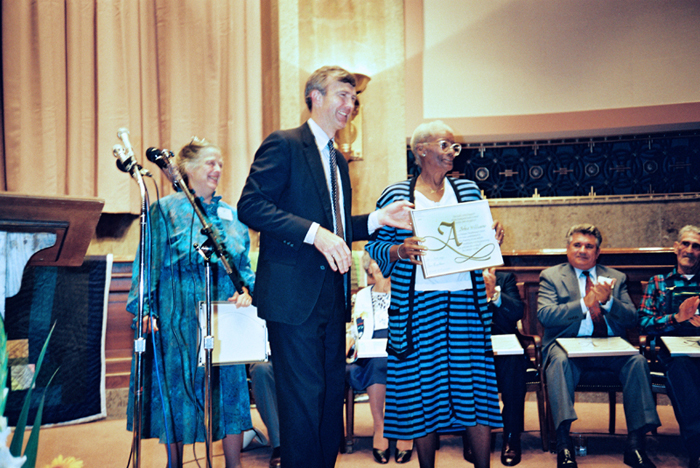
[(60, 462)]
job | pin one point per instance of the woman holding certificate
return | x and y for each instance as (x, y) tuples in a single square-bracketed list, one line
[(440, 370), (173, 390)]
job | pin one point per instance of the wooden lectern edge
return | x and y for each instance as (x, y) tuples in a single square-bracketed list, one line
[(72, 219)]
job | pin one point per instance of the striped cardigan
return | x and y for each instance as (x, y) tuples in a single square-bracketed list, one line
[(402, 272)]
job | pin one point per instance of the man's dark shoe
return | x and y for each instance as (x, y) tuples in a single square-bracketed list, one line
[(511, 451), (467, 449), (637, 459), (467, 452), (275, 460), (566, 459)]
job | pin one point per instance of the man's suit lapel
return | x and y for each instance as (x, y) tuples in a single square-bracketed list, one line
[(313, 159), (568, 277)]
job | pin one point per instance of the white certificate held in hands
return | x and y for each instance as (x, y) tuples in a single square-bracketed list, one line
[(458, 237)]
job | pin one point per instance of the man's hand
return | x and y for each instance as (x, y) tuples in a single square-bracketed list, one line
[(498, 230), (600, 292), (603, 290), (334, 249), (687, 311), (241, 300), (490, 281), (397, 215)]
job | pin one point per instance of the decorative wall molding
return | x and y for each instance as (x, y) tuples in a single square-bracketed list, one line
[(585, 168)]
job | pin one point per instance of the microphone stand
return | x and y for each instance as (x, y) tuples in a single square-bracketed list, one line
[(213, 244), (205, 251), (139, 341)]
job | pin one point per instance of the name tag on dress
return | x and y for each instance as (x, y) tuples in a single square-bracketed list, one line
[(225, 213)]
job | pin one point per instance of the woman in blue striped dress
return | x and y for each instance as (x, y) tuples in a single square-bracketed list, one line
[(440, 375)]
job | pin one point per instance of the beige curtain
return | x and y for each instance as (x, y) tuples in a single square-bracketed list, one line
[(75, 71)]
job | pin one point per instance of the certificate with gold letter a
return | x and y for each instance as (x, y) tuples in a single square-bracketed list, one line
[(458, 237)]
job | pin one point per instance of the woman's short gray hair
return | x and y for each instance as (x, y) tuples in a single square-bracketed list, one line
[(189, 156), (424, 132)]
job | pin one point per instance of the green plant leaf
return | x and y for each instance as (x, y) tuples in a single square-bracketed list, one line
[(18, 436), (33, 443)]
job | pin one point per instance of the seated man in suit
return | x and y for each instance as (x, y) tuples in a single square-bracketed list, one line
[(657, 318), (582, 299), (511, 371)]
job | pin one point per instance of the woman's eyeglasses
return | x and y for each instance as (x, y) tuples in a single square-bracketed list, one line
[(446, 145)]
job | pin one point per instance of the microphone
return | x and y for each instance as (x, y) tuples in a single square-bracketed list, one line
[(161, 157), (157, 156), (123, 135), (126, 163)]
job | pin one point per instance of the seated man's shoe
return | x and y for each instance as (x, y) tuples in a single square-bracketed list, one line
[(637, 459), (275, 459), (511, 451), (566, 459)]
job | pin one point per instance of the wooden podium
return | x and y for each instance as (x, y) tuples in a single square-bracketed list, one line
[(47, 231)]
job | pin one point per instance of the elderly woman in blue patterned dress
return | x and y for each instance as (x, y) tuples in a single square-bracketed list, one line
[(173, 382), (440, 371)]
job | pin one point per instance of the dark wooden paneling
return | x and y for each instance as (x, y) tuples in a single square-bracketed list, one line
[(638, 264), (119, 340)]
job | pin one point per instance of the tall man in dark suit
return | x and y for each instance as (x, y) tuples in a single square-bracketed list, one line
[(298, 196), (581, 298), (511, 371)]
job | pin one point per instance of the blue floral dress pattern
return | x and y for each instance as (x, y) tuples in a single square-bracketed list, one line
[(174, 383)]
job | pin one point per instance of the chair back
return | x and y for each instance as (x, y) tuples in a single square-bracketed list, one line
[(531, 325)]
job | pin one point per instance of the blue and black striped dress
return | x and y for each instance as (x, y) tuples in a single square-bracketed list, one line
[(440, 373)]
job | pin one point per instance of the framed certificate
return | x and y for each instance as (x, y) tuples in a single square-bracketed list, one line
[(682, 345), (458, 237), (591, 347), (372, 348), (506, 345)]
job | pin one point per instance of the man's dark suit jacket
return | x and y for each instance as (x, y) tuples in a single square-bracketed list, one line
[(285, 192), (559, 304), (505, 317)]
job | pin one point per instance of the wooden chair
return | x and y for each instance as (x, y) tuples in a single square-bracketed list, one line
[(658, 373), (591, 381), (529, 334), (349, 441)]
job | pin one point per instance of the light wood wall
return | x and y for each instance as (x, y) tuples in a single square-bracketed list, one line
[(362, 36)]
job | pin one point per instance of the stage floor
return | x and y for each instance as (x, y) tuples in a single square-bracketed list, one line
[(107, 443)]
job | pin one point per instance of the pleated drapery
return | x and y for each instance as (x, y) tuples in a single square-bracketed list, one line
[(75, 71)]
